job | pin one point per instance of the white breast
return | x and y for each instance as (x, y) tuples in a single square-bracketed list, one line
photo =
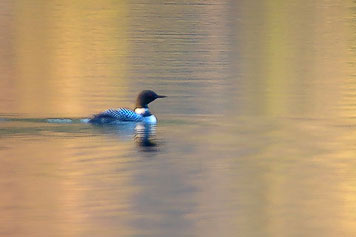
[(140, 110), (150, 119)]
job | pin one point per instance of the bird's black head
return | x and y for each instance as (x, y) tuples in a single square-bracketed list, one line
[(145, 97)]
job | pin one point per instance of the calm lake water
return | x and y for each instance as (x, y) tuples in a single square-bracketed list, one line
[(257, 136)]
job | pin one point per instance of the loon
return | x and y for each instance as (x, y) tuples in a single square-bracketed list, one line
[(140, 114)]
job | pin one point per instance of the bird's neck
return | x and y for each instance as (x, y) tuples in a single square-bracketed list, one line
[(143, 111)]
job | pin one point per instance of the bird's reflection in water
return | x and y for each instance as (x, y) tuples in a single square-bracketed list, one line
[(144, 135)]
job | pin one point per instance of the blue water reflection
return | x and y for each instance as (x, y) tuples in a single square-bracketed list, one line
[(143, 134)]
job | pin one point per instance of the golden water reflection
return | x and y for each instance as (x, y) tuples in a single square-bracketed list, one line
[(61, 52), (296, 64), (256, 137), (62, 189)]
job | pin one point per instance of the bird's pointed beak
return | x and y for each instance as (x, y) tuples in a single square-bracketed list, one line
[(161, 96)]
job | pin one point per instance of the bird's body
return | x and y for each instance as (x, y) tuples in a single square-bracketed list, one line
[(146, 114), (140, 114)]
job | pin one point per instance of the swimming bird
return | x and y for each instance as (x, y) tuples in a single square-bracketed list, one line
[(140, 114)]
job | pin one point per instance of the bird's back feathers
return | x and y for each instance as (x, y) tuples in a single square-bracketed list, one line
[(121, 114)]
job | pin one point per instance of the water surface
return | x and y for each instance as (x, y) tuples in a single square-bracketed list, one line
[(257, 136)]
